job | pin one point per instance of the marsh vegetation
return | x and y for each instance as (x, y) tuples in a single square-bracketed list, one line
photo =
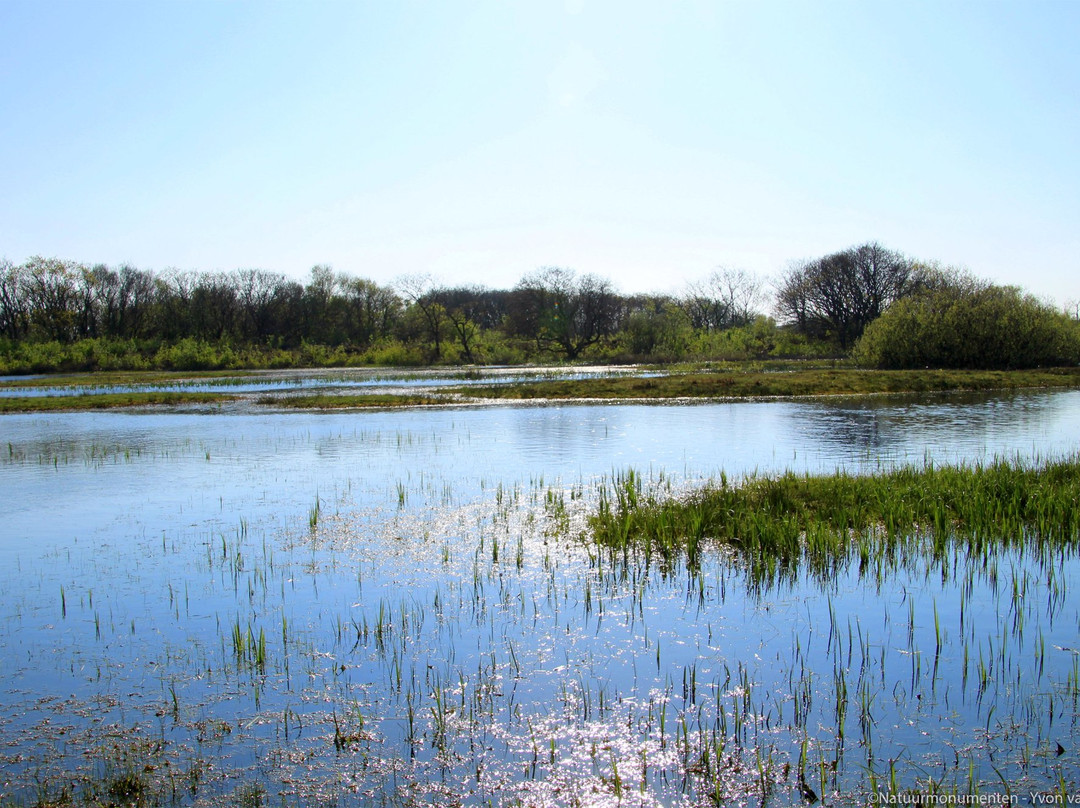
[(362, 389)]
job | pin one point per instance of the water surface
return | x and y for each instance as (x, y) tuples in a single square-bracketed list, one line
[(431, 627)]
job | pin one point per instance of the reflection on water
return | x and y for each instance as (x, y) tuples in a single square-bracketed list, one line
[(948, 427), (85, 463)]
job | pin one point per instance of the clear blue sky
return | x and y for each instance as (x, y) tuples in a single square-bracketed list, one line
[(648, 143)]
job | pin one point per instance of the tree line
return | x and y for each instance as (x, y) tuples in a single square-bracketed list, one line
[(822, 306), (551, 313)]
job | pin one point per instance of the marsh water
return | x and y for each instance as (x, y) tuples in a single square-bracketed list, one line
[(401, 606)]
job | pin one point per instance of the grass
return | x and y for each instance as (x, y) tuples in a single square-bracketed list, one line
[(136, 774), (749, 380), (777, 522), (330, 401), (106, 401), (109, 378), (754, 383)]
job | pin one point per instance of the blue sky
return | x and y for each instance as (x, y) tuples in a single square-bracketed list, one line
[(645, 142)]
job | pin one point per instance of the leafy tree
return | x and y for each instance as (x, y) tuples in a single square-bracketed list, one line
[(324, 309), (659, 328)]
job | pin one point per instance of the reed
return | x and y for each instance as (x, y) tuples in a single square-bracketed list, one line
[(777, 523)]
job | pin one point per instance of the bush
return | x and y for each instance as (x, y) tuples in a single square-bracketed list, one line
[(969, 325), (391, 353), (194, 354), (761, 339)]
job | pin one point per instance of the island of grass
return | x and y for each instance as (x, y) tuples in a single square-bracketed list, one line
[(752, 381), (346, 401), (739, 383), (107, 401), (776, 524), (122, 378)]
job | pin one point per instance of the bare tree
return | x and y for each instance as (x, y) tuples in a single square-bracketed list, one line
[(175, 291), (258, 294), (52, 296), (839, 295), (213, 306), (135, 299), (372, 309), (465, 309), (14, 307), (420, 292), (725, 299), (563, 312)]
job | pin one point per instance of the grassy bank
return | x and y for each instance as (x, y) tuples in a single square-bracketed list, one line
[(753, 383), (190, 354), (116, 378), (328, 401), (107, 401), (779, 523)]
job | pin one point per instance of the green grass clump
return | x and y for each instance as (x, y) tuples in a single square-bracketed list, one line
[(754, 383), (777, 523), (330, 401), (106, 401), (118, 378)]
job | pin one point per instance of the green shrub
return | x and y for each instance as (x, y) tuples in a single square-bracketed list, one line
[(390, 353), (194, 354), (969, 325)]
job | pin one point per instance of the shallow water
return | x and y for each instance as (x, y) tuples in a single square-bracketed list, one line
[(430, 626), (361, 380)]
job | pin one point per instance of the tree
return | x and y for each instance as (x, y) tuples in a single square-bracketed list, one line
[(175, 292), (372, 310), (420, 292), (660, 328), (51, 287), (135, 300), (14, 306), (465, 307), (324, 310), (562, 312), (837, 296), (261, 296), (213, 307), (727, 298)]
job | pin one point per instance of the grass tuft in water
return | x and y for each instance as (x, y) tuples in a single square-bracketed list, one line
[(778, 523)]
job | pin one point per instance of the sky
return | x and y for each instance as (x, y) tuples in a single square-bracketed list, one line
[(648, 143)]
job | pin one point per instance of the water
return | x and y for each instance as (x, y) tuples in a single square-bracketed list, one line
[(359, 380), (378, 606)]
